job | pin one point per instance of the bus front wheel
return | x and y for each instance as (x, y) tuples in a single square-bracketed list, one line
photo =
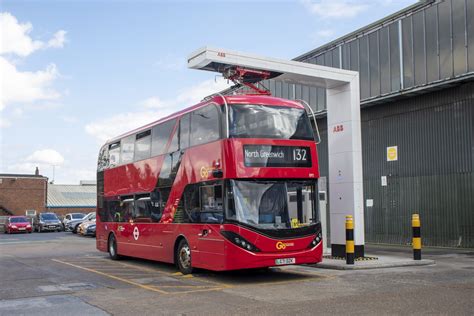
[(113, 248), (183, 257)]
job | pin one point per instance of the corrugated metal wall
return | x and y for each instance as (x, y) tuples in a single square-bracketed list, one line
[(434, 173)]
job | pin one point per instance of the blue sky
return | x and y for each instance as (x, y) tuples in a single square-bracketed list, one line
[(74, 73)]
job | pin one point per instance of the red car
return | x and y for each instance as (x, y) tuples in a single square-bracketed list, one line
[(17, 224)]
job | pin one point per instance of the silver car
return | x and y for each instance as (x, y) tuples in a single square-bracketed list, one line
[(71, 217), (74, 224)]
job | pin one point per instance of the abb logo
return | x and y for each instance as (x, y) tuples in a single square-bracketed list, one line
[(221, 54), (338, 128)]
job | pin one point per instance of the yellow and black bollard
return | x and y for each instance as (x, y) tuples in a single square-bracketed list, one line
[(349, 240), (415, 223)]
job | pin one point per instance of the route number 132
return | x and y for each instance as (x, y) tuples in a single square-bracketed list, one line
[(299, 154)]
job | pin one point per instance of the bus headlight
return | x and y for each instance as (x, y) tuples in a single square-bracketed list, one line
[(238, 240), (316, 240)]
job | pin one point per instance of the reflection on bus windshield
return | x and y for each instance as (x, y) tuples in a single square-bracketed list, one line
[(271, 205), (262, 121)]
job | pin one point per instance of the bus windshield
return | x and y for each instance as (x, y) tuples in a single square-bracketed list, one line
[(263, 121), (272, 204)]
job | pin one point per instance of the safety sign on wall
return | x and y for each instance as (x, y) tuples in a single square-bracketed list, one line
[(392, 153)]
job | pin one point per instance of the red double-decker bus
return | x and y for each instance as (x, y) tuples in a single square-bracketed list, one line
[(230, 183)]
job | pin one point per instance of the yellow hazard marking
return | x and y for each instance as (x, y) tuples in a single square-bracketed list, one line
[(415, 220), (416, 243), (349, 246), (349, 222)]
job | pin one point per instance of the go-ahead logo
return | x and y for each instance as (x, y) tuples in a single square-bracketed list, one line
[(282, 245)]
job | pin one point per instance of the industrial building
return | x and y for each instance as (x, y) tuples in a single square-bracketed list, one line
[(416, 71), (72, 198)]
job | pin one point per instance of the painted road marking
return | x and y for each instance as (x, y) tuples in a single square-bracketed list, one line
[(134, 277), (164, 282), (150, 288)]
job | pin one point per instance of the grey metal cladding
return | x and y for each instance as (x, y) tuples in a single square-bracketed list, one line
[(364, 72), (434, 174), (459, 37), (384, 60), (470, 33), (419, 44), (445, 45), (436, 43), (431, 38), (374, 67), (407, 42)]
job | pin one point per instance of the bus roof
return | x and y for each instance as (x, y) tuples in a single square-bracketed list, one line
[(230, 99)]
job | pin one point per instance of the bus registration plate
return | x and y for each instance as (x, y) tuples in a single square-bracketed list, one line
[(279, 262)]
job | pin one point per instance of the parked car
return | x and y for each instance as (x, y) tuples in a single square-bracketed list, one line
[(74, 224), (17, 224), (72, 217), (47, 222), (87, 228)]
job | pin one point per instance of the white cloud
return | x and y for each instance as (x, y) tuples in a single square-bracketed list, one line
[(58, 40), (153, 103), (15, 37), (335, 8), (197, 92), (26, 86), (154, 108), (105, 129), (46, 156), (44, 159)]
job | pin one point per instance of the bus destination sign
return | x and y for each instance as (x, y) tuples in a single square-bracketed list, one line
[(276, 156)]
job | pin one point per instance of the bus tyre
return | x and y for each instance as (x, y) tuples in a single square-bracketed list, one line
[(183, 257), (113, 248)]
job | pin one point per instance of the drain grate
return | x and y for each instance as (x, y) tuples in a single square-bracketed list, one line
[(356, 259)]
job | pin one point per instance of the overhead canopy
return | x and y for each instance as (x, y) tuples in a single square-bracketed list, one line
[(289, 71)]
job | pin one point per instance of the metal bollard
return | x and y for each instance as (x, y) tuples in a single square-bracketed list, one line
[(349, 240), (415, 223)]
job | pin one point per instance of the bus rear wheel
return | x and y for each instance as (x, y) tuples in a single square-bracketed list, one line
[(113, 248), (183, 257)]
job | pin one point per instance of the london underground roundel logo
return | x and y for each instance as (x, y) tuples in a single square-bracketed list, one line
[(136, 233)]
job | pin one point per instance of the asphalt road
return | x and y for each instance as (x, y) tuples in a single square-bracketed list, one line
[(61, 273)]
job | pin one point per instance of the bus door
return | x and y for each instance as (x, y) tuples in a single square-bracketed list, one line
[(124, 229), (210, 241), (145, 231)]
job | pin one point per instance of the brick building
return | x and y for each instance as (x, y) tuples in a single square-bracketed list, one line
[(22, 192)]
